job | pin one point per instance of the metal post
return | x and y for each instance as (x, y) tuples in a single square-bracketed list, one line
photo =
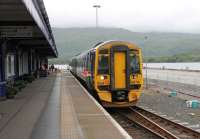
[(145, 38), (146, 78), (96, 6), (96, 17)]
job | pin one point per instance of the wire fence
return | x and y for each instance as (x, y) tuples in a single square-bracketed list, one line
[(185, 77)]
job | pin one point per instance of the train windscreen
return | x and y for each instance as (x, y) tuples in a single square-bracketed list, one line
[(103, 66), (134, 64)]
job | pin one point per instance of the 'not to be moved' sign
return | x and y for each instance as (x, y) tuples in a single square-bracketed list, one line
[(16, 31)]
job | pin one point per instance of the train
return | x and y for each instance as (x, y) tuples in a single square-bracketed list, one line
[(112, 72)]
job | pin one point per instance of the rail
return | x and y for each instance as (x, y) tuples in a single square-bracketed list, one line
[(158, 125)]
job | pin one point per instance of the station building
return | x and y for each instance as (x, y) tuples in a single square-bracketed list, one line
[(26, 39)]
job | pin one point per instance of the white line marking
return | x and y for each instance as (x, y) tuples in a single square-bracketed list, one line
[(149, 109), (198, 130), (159, 113), (184, 123), (176, 120), (194, 126), (152, 111), (163, 115), (170, 118), (92, 114)]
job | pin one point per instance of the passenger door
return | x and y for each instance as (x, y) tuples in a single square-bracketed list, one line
[(120, 70)]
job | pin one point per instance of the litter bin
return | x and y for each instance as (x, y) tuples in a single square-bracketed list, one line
[(2, 90)]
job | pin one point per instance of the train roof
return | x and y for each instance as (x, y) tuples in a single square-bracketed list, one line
[(109, 41), (96, 46)]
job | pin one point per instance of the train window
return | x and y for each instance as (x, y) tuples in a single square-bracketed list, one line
[(103, 51), (134, 63), (92, 57), (88, 63), (103, 67)]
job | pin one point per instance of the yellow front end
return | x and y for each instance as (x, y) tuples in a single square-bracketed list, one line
[(103, 80)]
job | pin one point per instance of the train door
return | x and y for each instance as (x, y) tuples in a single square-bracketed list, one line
[(120, 70), (120, 73)]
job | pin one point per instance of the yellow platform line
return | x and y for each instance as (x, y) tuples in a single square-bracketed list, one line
[(70, 128)]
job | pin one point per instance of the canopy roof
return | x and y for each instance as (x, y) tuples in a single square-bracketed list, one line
[(27, 21)]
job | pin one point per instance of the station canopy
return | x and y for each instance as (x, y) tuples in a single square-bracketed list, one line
[(26, 21)]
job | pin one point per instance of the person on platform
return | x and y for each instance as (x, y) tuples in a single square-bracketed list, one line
[(52, 68)]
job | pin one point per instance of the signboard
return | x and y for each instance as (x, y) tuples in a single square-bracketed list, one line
[(16, 31)]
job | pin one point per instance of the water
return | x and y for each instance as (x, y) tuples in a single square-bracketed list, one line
[(180, 66)]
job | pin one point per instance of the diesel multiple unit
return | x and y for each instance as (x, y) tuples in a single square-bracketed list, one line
[(112, 72)]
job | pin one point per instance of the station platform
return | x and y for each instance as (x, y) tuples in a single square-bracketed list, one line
[(56, 107)]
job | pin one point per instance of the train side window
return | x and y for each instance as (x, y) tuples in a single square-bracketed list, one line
[(88, 62), (134, 63), (103, 66), (92, 60)]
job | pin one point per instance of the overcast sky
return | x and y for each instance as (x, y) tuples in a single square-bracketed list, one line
[(135, 15)]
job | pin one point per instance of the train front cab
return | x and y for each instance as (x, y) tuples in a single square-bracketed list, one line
[(119, 74)]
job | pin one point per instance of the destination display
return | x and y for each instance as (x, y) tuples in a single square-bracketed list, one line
[(16, 31)]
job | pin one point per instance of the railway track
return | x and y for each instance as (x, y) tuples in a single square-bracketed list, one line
[(158, 125)]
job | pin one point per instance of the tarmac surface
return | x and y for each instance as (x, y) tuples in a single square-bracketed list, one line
[(48, 125), (20, 115)]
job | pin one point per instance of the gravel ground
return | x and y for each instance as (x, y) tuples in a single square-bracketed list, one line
[(159, 100), (186, 88)]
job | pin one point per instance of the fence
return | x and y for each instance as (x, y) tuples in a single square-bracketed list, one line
[(192, 78)]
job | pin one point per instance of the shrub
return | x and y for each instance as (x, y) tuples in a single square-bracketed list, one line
[(29, 78), (19, 84), (10, 91)]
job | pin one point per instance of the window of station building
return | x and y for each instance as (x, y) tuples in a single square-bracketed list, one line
[(10, 65), (103, 66), (134, 63)]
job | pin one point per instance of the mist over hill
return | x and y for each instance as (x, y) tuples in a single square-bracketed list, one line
[(157, 47)]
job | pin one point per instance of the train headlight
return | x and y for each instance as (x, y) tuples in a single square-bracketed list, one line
[(102, 77)]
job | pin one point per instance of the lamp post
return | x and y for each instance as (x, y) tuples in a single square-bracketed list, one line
[(146, 77), (96, 6), (145, 38)]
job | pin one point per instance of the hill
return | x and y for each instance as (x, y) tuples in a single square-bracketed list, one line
[(71, 41)]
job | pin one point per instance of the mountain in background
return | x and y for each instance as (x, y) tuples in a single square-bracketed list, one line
[(155, 46)]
